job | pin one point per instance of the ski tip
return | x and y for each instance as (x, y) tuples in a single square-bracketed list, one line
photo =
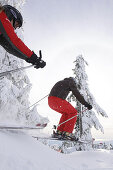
[(41, 125)]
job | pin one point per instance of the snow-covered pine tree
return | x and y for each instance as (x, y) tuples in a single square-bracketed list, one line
[(15, 87), (87, 119)]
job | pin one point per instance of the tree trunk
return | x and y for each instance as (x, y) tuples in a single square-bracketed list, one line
[(79, 106)]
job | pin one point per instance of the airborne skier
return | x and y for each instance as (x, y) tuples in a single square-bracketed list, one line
[(57, 101), (11, 19)]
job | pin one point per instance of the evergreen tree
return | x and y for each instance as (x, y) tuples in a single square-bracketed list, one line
[(87, 119), (15, 87)]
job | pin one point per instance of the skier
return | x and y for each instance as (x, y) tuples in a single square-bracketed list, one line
[(10, 20), (57, 101)]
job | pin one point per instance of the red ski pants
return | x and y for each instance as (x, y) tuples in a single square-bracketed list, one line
[(67, 111)]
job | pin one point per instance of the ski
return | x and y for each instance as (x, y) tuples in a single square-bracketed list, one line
[(39, 126), (64, 140)]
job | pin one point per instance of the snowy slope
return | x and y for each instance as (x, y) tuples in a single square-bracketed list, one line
[(19, 151)]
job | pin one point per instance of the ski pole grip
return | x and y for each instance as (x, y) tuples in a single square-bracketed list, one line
[(40, 54)]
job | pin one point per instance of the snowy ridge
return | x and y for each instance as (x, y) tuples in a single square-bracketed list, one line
[(19, 151)]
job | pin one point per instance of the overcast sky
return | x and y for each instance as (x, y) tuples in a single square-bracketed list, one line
[(63, 29)]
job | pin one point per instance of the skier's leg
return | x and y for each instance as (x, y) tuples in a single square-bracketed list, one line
[(69, 125), (67, 111), (63, 118), (56, 103), (70, 112)]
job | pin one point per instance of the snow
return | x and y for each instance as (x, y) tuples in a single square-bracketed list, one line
[(20, 151)]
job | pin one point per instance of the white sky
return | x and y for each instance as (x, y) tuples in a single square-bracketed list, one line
[(63, 29)]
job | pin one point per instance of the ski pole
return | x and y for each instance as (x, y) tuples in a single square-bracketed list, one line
[(15, 70), (71, 118), (34, 104), (21, 68), (37, 102)]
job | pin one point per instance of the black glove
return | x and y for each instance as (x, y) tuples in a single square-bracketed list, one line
[(36, 61), (41, 64), (89, 107)]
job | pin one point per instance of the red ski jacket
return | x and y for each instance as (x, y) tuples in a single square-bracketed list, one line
[(10, 41)]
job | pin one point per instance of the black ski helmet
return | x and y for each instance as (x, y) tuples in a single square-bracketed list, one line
[(13, 13)]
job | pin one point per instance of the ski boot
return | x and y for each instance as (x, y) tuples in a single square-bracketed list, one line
[(69, 136), (57, 134)]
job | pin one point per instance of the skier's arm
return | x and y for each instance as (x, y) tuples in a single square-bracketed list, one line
[(9, 48), (77, 94), (8, 32), (14, 45)]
